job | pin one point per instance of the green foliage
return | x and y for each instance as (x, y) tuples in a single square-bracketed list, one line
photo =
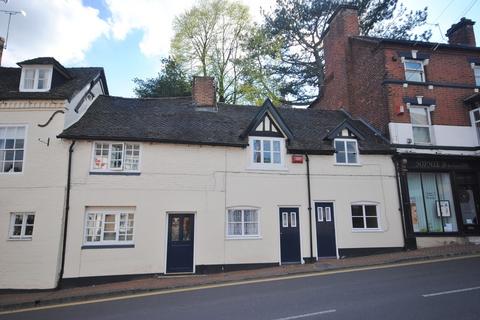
[(171, 81), (298, 26)]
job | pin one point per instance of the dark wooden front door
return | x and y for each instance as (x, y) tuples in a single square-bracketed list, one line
[(180, 242), (326, 246), (289, 235)]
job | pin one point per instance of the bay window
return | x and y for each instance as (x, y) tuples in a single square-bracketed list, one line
[(242, 223), (116, 156)]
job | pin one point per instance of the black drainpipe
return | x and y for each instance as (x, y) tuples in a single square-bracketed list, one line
[(311, 259), (396, 162), (67, 208)]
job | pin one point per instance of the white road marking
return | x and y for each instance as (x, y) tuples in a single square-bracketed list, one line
[(307, 315), (449, 292), (236, 283)]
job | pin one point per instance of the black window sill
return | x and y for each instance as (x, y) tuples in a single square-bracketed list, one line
[(109, 246), (94, 173)]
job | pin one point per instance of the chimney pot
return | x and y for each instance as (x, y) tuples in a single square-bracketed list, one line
[(462, 33), (203, 92)]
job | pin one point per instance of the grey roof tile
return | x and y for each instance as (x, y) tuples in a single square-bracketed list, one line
[(176, 120)]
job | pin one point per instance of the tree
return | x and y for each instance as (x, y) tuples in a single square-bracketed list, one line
[(171, 81), (209, 38), (298, 25)]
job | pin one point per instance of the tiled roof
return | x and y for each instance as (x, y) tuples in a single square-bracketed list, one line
[(80, 77), (177, 120)]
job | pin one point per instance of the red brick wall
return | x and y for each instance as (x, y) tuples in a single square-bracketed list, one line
[(337, 58), (366, 73), (203, 91), (446, 67)]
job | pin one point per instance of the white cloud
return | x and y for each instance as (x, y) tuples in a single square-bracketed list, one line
[(155, 19), (66, 29), (62, 29)]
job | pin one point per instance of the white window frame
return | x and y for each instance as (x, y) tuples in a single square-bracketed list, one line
[(24, 148), (36, 69), (266, 166), (243, 235), (422, 72), (346, 163), (476, 75), (363, 204), (429, 126), (109, 168), (475, 122), (109, 211), (22, 235)]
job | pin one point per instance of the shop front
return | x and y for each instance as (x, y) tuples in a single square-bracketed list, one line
[(440, 196)]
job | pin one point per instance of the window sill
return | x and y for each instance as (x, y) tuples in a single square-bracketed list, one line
[(243, 238), (113, 173), (348, 164), (20, 239), (267, 168), (366, 230), (108, 246)]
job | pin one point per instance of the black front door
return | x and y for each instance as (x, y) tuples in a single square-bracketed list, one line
[(289, 235), (468, 197), (180, 242), (326, 246)]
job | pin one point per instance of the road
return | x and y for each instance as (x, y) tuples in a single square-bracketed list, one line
[(440, 290)]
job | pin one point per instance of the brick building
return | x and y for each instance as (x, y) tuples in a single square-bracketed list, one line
[(424, 97)]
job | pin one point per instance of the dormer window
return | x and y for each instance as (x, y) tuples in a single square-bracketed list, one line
[(35, 79), (346, 151), (414, 70)]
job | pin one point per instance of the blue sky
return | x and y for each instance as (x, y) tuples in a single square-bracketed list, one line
[(129, 37)]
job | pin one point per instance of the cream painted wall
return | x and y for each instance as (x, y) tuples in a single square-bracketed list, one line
[(207, 180), (40, 189)]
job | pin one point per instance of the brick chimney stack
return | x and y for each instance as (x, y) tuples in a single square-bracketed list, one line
[(203, 92), (343, 24), (2, 44), (462, 33)]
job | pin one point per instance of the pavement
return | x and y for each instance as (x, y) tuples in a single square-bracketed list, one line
[(11, 300)]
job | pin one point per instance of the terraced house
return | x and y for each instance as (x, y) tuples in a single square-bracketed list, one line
[(94, 186), (186, 184), (37, 101), (425, 97)]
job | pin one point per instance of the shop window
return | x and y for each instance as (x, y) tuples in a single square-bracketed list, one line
[(431, 203)]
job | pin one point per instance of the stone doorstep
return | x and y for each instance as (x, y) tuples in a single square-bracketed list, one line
[(122, 289)]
